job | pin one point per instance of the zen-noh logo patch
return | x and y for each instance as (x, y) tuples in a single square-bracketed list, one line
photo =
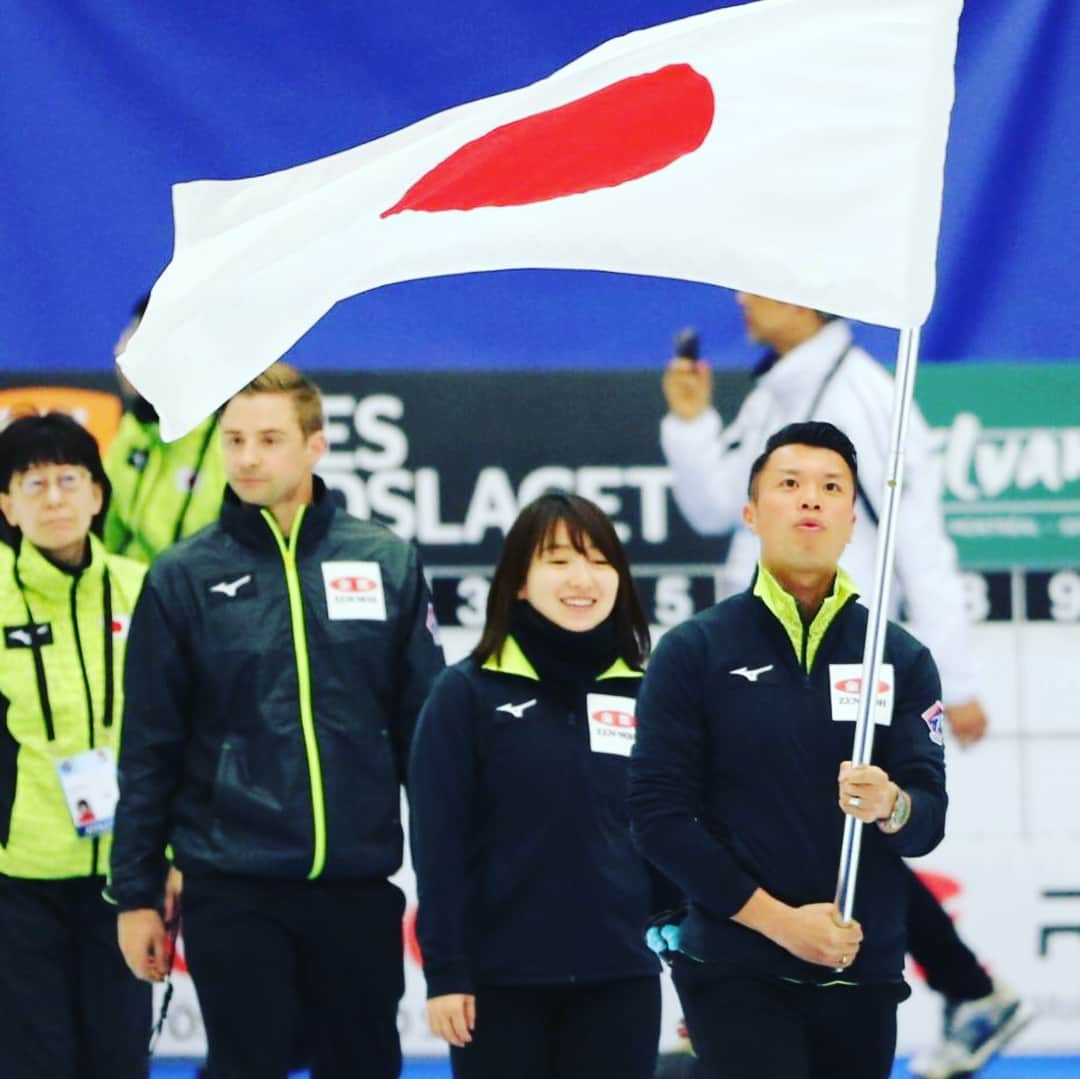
[(845, 681), (612, 723), (354, 591)]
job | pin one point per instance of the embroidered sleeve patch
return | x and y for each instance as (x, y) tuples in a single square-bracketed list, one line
[(935, 720)]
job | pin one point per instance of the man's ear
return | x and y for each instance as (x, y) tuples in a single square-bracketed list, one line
[(317, 444), (749, 516), (5, 508)]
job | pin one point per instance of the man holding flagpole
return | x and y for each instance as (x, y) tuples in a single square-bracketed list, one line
[(814, 370), (740, 782)]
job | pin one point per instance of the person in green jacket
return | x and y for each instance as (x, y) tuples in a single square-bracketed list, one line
[(69, 1008), (161, 491)]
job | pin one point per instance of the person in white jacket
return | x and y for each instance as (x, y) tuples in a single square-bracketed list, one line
[(815, 371), (819, 373)]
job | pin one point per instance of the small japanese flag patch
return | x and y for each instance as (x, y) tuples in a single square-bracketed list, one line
[(935, 720)]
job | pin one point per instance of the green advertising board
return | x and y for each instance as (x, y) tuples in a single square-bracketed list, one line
[(1009, 438)]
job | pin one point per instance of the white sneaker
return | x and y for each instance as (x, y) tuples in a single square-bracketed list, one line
[(975, 1031)]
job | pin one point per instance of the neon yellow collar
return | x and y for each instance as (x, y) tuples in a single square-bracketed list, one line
[(782, 604), (512, 660)]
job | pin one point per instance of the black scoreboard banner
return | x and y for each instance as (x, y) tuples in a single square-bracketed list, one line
[(447, 459), (670, 594)]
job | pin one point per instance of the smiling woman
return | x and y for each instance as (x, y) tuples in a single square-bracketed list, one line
[(533, 901), (573, 588)]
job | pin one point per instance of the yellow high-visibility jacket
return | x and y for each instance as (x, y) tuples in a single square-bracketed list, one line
[(161, 491), (61, 693)]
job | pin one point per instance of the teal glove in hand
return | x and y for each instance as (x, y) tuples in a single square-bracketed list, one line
[(663, 938)]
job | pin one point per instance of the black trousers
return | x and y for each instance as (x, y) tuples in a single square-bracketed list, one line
[(69, 1006), (950, 967), (602, 1030), (744, 1028), (260, 951)]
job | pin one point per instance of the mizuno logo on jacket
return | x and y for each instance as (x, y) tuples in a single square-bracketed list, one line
[(516, 710), (230, 588), (751, 675)]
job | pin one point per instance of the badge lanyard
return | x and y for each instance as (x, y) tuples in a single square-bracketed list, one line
[(199, 461), (39, 661)]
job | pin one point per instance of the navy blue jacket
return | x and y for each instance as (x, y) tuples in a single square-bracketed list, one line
[(734, 782), (520, 834)]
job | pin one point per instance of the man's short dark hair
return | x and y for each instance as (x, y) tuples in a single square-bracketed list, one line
[(826, 436)]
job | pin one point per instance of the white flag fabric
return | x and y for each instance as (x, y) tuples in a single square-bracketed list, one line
[(792, 148)]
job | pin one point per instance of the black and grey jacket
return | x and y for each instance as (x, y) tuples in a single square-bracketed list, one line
[(271, 691)]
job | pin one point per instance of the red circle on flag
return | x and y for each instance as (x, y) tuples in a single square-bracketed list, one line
[(625, 131)]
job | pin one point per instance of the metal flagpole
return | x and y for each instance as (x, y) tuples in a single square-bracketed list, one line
[(907, 361)]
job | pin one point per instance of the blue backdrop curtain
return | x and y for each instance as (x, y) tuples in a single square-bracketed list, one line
[(104, 105)]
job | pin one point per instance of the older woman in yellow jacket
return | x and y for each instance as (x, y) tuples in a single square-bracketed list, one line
[(68, 1006)]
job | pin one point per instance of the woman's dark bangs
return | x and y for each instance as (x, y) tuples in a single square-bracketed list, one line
[(583, 528)]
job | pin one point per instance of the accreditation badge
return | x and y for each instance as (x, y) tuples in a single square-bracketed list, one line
[(89, 784), (844, 682), (612, 723)]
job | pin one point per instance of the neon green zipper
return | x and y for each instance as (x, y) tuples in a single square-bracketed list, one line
[(303, 683)]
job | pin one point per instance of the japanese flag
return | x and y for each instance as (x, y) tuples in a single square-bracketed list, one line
[(793, 148)]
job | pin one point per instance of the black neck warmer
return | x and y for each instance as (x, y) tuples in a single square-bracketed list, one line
[(566, 660)]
